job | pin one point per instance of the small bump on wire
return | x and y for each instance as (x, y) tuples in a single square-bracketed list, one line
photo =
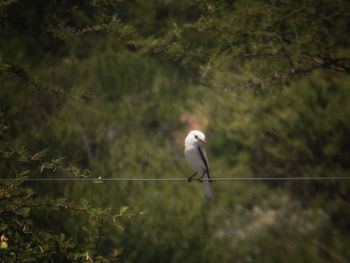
[(227, 179)]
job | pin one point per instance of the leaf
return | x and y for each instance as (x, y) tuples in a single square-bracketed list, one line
[(24, 211), (3, 245), (24, 173), (116, 252), (39, 155), (41, 249), (62, 237), (87, 256), (120, 227), (123, 209)]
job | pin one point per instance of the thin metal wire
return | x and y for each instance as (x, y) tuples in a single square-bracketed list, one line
[(228, 179)]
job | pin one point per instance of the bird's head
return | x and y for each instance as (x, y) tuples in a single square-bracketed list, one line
[(195, 138)]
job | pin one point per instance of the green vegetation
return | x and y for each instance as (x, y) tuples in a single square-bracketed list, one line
[(108, 89)]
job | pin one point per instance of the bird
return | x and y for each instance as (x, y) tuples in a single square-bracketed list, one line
[(197, 159)]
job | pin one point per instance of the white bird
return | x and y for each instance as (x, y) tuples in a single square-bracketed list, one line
[(197, 159)]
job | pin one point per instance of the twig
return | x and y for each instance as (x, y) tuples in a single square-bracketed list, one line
[(330, 63), (323, 247), (24, 75), (284, 50), (17, 251), (98, 239), (331, 253)]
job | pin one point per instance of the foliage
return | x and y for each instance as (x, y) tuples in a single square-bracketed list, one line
[(25, 235), (268, 39)]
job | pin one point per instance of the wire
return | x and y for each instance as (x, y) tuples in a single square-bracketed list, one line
[(228, 179)]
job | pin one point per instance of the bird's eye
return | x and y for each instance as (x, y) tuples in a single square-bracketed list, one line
[(196, 136)]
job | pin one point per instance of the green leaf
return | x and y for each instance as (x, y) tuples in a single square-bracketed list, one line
[(39, 155), (24, 211), (3, 245)]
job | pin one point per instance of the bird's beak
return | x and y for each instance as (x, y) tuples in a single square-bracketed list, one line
[(203, 141)]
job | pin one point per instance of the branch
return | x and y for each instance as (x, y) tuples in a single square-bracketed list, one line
[(17, 250), (334, 64), (324, 248), (284, 50), (331, 253), (24, 75), (98, 238)]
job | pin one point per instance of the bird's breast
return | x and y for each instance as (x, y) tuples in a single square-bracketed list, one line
[(193, 159)]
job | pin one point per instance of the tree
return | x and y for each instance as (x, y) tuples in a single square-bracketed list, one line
[(105, 90)]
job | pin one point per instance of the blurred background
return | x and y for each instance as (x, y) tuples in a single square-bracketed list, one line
[(109, 89)]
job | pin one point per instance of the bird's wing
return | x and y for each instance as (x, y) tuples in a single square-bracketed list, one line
[(207, 188), (204, 158)]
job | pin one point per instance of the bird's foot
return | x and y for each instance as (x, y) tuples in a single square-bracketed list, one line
[(189, 179)]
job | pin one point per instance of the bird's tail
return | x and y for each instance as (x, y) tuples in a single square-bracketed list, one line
[(207, 188)]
